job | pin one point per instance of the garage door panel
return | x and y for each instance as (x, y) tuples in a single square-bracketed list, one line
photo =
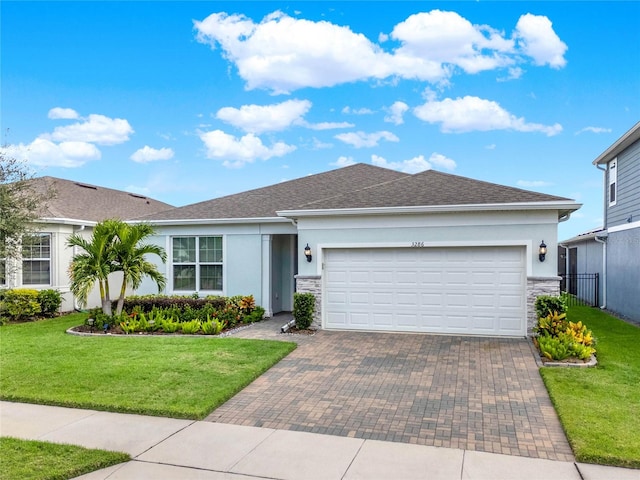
[(469, 290)]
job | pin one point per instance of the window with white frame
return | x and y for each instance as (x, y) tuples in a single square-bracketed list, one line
[(36, 259), (197, 263), (613, 182)]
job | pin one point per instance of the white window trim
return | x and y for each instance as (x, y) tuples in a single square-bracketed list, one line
[(40, 259), (197, 264), (612, 173)]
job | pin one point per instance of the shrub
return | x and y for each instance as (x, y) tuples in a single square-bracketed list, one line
[(21, 303), (212, 326), (170, 325), (552, 324), (192, 327), (50, 301), (256, 315), (304, 304), (547, 304)]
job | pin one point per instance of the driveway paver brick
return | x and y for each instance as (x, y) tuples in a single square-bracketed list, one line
[(482, 394)]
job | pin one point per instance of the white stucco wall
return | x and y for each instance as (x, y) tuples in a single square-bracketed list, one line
[(526, 228)]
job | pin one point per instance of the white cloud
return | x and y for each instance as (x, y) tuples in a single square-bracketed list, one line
[(319, 144), (328, 125), (343, 162), (594, 130), (45, 153), (94, 129), (236, 152), (283, 54), (440, 160), (513, 73), (469, 114), (147, 154), (432, 41), (62, 113), (265, 118), (362, 139), (357, 111), (533, 183), (396, 111), (537, 39), (416, 164), (491, 146)]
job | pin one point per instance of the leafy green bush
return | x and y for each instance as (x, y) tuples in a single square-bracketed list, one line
[(554, 348), (255, 316), (547, 304), (212, 326), (170, 324), (552, 324), (21, 303), (50, 301), (304, 304), (131, 325), (192, 327)]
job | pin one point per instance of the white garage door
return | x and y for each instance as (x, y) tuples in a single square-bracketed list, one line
[(470, 291)]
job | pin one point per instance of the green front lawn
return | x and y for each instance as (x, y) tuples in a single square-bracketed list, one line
[(600, 407), (33, 460), (152, 375)]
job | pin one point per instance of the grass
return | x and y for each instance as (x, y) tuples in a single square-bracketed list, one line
[(600, 407), (34, 460), (164, 376)]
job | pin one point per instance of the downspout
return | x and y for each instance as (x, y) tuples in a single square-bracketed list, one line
[(603, 241)]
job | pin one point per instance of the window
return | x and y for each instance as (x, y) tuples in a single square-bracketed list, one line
[(613, 182), (197, 263), (3, 272), (36, 260)]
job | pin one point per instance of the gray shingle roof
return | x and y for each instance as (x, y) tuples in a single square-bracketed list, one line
[(430, 188), (81, 201), (265, 202), (353, 187)]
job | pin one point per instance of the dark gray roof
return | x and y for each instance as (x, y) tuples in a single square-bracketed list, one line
[(430, 188), (81, 201), (354, 187), (265, 202)]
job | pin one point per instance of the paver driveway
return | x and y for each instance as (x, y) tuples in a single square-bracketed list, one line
[(458, 392)]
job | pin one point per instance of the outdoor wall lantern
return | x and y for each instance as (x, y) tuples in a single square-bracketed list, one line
[(542, 251), (307, 252)]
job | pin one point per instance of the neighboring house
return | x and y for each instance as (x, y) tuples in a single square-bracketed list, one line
[(387, 251), (72, 207), (621, 166), (581, 266)]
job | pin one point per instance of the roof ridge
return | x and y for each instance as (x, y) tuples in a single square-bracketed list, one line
[(377, 185)]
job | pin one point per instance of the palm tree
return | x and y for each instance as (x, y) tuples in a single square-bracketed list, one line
[(94, 264), (115, 246), (130, 258)]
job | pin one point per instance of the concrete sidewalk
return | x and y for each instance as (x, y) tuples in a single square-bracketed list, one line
[(165, 448)]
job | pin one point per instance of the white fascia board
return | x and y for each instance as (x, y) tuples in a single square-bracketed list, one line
[(213, 221), (564, 206), (624, 226), (67, 221), (632, 135)]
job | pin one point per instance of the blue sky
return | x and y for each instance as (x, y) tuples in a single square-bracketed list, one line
[(188, 101)]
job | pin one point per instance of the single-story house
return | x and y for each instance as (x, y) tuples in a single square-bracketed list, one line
[(381, 250), (70, 207)]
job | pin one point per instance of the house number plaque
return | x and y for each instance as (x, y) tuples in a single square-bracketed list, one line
[(417, 244)]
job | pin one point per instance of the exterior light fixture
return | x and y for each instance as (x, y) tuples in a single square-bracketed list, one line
[(542, 251), (307, 252), (91, 322)]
